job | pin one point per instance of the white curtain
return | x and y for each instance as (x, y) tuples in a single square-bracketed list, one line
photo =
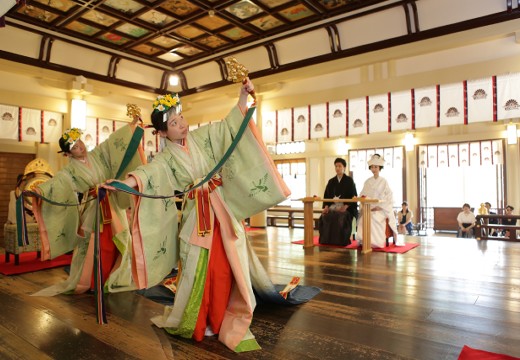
[(9, 116), (319, 121), (301, 123)]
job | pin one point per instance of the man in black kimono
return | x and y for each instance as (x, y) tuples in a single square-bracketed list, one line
[(335, 224)]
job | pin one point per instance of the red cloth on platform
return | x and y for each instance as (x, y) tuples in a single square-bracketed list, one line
[(468, 353)]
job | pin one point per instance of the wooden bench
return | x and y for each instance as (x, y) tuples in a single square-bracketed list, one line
[(271, 220), (293, 216), (482, 227), (445, 219), (298, 220)]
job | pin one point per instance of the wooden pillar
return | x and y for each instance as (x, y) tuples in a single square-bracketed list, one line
[(308, 222), (367, 246)]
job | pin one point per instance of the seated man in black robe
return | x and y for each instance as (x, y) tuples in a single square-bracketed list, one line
[(335, 224), (510, 234)]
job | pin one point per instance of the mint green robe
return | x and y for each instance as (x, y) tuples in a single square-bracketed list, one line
[(251, 184), (65, 229)]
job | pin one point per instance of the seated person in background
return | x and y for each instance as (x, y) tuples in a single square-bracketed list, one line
[(466, 220), (335, 225), (492, 232), (404, 220), (511, 222)]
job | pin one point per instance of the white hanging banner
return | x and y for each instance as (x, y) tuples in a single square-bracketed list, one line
[(464, 154), (52, 126), (301, 123), (452, 104), (337, 118), (398, 157), (150, 142), (388, 154), (453, 155), (319, 121), (359, 162), (442, 155), (31, 125), (480, 100), (105, 128), (487, 153), (425, 107), (367, 155), (401, 111), (423, 156), (9, 116), (357, 116), (378, 121), (432, 156), (475, 158), (90, 133), (284, 125), (353, 160), (269, 126), (508, 96), (498, 152)]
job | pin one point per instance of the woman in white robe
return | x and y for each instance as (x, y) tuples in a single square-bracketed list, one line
[(377, 187)]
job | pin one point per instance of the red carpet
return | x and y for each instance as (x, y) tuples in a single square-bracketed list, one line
[(352, 246), (468, 353), (396, 249), (29, 263), (389, 249), (253, 228)]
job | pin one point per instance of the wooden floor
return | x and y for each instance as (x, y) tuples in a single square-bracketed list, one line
[(425, 304)]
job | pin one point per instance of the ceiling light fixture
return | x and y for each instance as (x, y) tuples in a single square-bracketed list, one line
[(173, 80), (78, 114), (409, 141)]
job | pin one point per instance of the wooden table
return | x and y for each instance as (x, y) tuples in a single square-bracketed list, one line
[(308, 206)]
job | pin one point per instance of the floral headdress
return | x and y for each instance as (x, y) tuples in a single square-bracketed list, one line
[(163, 103), (71, 136)]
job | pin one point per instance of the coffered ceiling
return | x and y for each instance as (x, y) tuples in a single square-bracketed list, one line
[(177, 32), (191, 37)]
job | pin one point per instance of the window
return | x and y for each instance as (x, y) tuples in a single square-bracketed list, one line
[(458, 173), (290, 148)]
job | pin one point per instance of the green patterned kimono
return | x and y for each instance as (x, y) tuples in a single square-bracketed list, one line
[(250, 184), (64, 229)]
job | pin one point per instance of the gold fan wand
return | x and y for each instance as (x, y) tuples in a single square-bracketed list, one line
[(238, 73), (133, 111)]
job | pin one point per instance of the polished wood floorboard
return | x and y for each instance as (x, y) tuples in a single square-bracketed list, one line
[(424, 304)]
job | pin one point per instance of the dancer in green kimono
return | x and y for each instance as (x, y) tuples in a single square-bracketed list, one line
[(71, 228), (217, 267)]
